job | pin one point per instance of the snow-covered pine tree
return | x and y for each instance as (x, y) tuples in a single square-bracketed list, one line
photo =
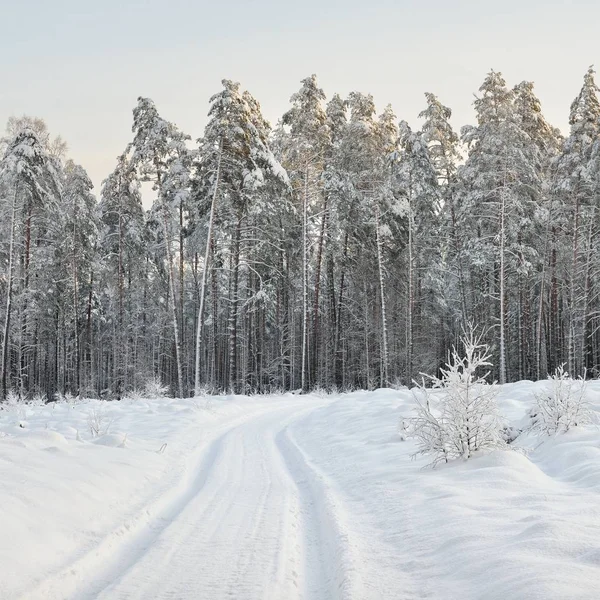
[(417, 187), (80, 238), (448, 272), (574, 189), (122, 249), (338, 189), (31, 183), (546, 142), (303, 157), (237, 129), (384, 201), (156, 144), (500, 183)]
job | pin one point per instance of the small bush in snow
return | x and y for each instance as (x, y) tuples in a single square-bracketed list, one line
[(66, 397), (39, 399), (135, 395), (98, 421), (510, 433), (456, 414), (155, 389), (321, 392), (561, 405), (206, 390), (13, 398), (18, 405)]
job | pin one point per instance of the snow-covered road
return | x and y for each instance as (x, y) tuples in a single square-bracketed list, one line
[(288, 497), (244, 528), (251, 521)]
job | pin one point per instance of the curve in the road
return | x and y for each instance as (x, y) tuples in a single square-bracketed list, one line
[(254, 522)]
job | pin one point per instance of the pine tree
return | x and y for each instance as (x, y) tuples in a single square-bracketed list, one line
[(442, 144), (156, 144), (501, 182), (32, 183), (304, 159), (122, 248), (237, 136), (545, 144), (416, 184), (573, 188), (80, 235)]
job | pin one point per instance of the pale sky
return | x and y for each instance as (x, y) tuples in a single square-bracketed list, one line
[(81, 65)]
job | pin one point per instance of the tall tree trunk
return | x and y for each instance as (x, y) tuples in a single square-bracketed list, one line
[(502, 276), (409, 312), (205, 272), (24, 315), (304, 377), (554, 356), (572, 288), (540, 315), (233, 305), (458, 251), (182, 293), (88, 333), (9, 294), (583, 345), (338, 351), (119, 348), (76, 307), (384, 330), (173, 303), (171, 277), (316, 335), (215, 314)]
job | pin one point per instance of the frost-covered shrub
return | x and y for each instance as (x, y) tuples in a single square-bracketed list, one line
[(39, 399), (98, 421), (135, 395), (153, 388), (510, 433), (321, 392), (206, 390), (17, 406), (67, 397), (456, 413), (561, 405), (13, 398)]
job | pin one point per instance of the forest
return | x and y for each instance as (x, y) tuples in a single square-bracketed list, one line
[(338, 250)]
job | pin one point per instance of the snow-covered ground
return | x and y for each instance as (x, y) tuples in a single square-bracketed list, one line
[(289, 497)]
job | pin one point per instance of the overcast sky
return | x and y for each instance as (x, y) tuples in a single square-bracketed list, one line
[(81, 65)]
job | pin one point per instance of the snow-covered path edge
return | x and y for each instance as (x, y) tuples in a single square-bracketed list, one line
[(122, 547)]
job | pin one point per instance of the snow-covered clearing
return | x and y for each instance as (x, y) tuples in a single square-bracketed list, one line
[(289, 497)]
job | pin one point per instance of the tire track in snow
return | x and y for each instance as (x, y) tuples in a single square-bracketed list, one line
[(257, 520), (122, 548), (104, 562), (329, 544), (248, 548)]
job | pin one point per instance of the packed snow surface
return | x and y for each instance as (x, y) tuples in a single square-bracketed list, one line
[(289, 497)]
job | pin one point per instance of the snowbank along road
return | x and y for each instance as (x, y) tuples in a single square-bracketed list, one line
[(286, 497)]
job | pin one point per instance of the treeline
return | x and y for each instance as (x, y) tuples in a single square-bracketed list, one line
[(339, 250)]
